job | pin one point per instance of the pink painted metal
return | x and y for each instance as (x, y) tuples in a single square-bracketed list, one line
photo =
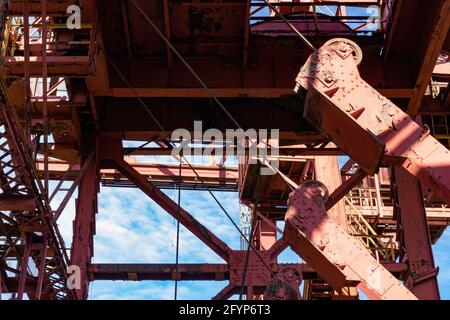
[(190, 272), (340, 259), (415, 237), (257, 275), (46, 133), (41, 270), (19, 180), (266, 235), (213, 176), (84, 226), (266, 73), (344, 189), (278, 282), (24, 266), (363, 123), (73, 187), (285, 285)]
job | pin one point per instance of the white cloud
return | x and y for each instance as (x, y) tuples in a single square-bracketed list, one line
[(442, 260), (154, 290), (133, 229)]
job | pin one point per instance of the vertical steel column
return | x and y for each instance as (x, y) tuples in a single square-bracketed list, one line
[(266, 235), (84, 226), (250, 293), (24, 266), (378, 193), (327, 171), (291, 9), (44, 92), (422, 278), (41, 271), (26, 65), (340, 259)]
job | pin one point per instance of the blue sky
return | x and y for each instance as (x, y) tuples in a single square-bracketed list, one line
[(132, 229)]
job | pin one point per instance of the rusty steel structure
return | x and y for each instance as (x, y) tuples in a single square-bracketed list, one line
[(90, 86)]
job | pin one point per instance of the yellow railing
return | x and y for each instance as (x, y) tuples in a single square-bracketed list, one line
[(368, 196), (382, 246), (439, 126), (13, 31), (5, 39)]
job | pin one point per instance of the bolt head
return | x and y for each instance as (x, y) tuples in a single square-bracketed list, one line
[(343, 48)]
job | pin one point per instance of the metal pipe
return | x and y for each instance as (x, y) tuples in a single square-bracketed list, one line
[(24, 266), (378, 192), (41, 273), (45, 93), (27, 89)]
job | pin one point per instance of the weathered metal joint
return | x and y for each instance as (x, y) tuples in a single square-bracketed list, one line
[(424, 276), (285, 285)]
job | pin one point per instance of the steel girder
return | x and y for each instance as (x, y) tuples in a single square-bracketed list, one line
[(27, 229), (339, 258)]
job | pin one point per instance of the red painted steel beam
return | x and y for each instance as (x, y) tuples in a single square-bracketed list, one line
[(265, 236), (53, 8), (326, 169), (187, 220), (58, 66), (366, 125), (24, 264), (277, 248), (345, 188), (41, 270), (294, 3), (45, 122), (414, 29), (415, 237), (12, 285), (9, 202), (436, 38), (226, 92), (26, 73), (21, 177), (126, 27), (127, 116), (226, 293), (218, 178), (142, 272), (330, 150), (59, 150), (152, 171), (263, 80), (86, 164), (84, 226), (340, 259), (190, 272)]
